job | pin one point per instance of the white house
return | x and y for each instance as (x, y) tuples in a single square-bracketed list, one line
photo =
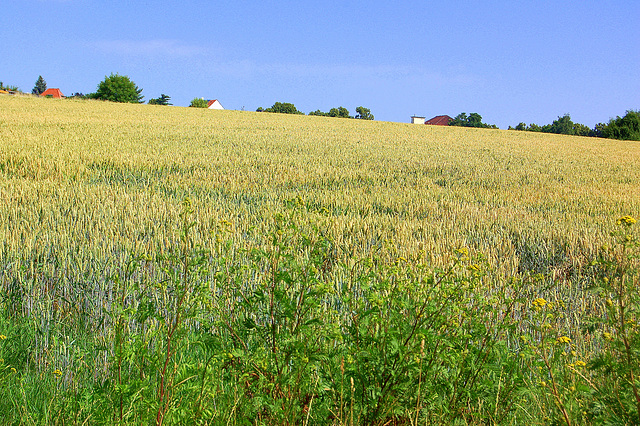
[(214, 104), (417, 120)]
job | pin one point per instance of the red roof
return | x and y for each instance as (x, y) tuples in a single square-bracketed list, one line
[(55, 93), (211, 102), (439, 120)]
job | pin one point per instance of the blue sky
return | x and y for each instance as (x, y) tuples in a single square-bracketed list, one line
[(508, 60)]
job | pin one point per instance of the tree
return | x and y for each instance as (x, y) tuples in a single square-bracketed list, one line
[(472, 120), (562, 126), (340, 112), (283, 108), (40, 86), (624, 128), (162, 100), (319, 113), (582, 130), (118, 88), (364, 113), (199, 103)]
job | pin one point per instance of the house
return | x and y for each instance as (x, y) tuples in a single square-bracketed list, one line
[(439, 120), (214, 104), (53, 93), (417, 120)]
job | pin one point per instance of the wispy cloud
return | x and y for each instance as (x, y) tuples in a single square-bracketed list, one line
[(384, 72), (348, 72), (158, 47)]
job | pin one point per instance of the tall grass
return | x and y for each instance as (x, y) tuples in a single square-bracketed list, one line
[(323, 271)]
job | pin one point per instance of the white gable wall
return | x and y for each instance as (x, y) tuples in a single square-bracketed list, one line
[(216, 105)]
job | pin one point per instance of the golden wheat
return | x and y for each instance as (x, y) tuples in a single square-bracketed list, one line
[(102, 178)]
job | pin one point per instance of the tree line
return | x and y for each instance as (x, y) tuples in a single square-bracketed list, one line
[(623, 128), (119, 88), (362, 113)]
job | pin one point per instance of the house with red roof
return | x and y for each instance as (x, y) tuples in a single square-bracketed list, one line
[(54, 93), (214, 104), (439, 120)]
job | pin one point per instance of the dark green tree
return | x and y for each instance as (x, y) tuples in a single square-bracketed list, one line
[(624, 128), (319, 113), (364, 113), (40, 86), (340, 112), (162, 100), (562, 126), (118, 88), (283, 108), (475, 120), (582, 130), (198, 103), (472, 120), (460, 120)]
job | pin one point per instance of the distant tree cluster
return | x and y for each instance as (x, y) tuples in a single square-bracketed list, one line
[(281, 108), (339, 112), (198, 103), (562, 126), (118, 88), (472, 120), (363, 113), (624, 128), (9, 88), (162, 100)]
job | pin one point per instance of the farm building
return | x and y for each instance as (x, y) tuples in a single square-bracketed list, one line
[(439, 120), (214, 104), (54, 93), (417, 120)]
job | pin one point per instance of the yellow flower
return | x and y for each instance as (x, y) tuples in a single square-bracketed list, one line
[(563, 339), (607, 335), (626, 220), (539, 303), (57, 373), (2, 337), (580, 364)]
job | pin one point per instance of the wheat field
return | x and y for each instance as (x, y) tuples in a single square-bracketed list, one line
[(100, 178), (87, 185)]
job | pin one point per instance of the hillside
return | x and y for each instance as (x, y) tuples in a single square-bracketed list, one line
[(497, 191), (180, 264)]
